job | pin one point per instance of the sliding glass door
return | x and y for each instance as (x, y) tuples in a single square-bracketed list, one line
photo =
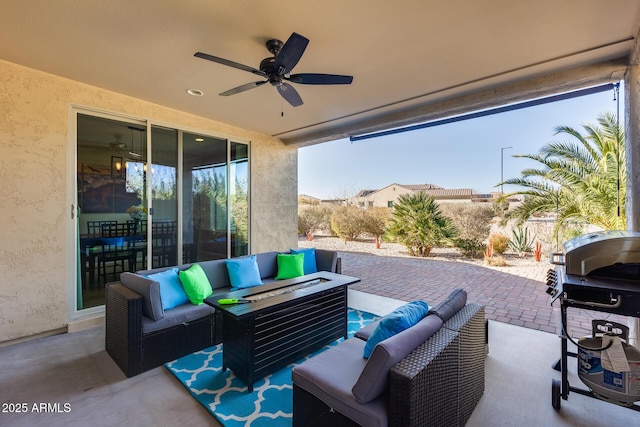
[(151, 196)]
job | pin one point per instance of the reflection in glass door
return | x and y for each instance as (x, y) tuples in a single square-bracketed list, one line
[(164, 221), (116, 175), (204, 197), (239, 199), (110, 198)]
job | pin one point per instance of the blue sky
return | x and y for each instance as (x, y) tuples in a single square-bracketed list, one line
[(458, 155)]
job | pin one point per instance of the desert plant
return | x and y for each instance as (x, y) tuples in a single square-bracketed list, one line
[(348, 223), (521, 242), (314, 218), (470, 248), (500, 242), (473, 221), (488, 252), (582, 180), (496, 261), (538, 252), (375, 222), (418, 223)]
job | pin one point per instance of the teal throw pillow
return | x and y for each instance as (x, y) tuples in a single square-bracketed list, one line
[(310, 265), (196, 284), (290, 266), (397, 321), (243, 272), (172, 293)]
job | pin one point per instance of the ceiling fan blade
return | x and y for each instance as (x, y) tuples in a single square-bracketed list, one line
[(320, 79), (290, 53), (229, 63), (289, 94), (242, 88)]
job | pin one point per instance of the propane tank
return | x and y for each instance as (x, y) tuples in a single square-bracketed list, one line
[(622, 388)]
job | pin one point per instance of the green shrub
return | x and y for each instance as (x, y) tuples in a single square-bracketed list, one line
[(473, 221), (470, 248), (418, 223), (348, 222), (314, 218), (375, 220), (500, 242)]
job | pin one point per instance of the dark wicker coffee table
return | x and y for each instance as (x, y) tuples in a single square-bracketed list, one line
[(284, 321)]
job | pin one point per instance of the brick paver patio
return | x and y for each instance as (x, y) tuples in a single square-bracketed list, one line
[(508, 295)]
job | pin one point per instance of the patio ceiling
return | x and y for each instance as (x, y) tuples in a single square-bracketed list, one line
[(411, 60)]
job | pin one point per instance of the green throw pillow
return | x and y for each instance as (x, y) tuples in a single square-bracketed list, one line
[(290, 265), (195, 284)]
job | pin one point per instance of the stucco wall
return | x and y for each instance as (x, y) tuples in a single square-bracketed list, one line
[(35, 193)]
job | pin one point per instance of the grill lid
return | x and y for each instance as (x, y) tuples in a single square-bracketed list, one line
[(590, 252)]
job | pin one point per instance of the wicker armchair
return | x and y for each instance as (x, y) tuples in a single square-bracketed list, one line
[(438, 384)]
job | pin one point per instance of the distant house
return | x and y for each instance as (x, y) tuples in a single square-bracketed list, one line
[(388, 196)]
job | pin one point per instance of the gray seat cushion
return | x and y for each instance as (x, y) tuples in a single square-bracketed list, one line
[(184, 313), (374, 377), (331, 375)]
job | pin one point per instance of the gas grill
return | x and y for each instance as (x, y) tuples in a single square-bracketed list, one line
[(598, 271)]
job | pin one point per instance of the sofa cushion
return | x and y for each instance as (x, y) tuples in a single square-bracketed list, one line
[(182, 314), (267, 264), (330, 376), (290, 266), (243, 272), (310, 265), (196, 284), (327, 260), (171, 291), (450, 305), (374, 377), (149, 290), (398, 320), (216, 271)]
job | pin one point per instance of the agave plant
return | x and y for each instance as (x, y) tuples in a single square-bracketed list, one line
[(521, 242)]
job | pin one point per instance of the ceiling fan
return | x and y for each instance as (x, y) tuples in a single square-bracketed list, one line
[(277, 70)]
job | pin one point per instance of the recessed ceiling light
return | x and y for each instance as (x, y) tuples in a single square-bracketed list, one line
[(195, 92), (199, 139)]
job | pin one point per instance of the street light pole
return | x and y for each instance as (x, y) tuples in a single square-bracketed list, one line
[(502, 168)]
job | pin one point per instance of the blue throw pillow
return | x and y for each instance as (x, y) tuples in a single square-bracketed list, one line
[(398, 320), (243, 272), (171, 292), (309, 264)]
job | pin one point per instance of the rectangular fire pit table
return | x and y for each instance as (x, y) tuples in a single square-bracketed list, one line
[(283, 321)]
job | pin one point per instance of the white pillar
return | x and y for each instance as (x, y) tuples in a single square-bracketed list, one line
[(632, 141)]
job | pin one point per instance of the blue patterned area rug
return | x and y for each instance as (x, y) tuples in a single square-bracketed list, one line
[(226, 397)]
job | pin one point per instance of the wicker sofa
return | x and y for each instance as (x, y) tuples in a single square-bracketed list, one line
[(140, 335), (434, 374)]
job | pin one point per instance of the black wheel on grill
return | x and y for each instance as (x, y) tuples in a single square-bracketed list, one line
[(555, 394)]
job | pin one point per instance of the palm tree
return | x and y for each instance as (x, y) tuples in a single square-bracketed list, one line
[(582, 180), (418, 223)]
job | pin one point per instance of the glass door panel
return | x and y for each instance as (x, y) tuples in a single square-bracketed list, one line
[(109, 195), (164, 195), (204, 230), (239, 198)]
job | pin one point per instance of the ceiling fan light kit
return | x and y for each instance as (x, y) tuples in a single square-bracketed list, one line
[(277, 70)]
